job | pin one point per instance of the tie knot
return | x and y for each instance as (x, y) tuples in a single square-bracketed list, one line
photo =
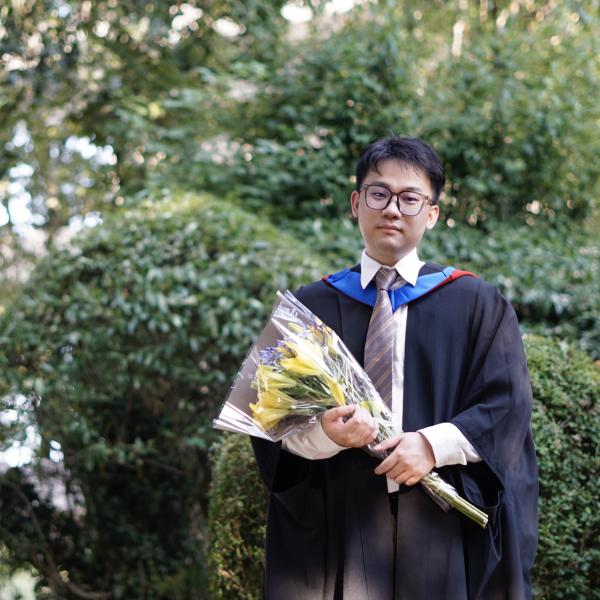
[(385, 278)]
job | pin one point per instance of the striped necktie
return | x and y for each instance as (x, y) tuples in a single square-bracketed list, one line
[(379, 348)]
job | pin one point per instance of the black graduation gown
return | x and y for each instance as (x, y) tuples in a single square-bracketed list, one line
[(329, 526)]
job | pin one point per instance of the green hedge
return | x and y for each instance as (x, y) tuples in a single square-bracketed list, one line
[(119, 352), (236, 521), (566, 425)]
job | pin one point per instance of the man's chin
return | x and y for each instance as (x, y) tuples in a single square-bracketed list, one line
[(388, 255)]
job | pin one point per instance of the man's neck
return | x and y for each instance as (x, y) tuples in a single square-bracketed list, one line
[(408, 267)]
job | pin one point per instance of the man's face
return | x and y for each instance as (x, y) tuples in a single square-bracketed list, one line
[(388, 234)]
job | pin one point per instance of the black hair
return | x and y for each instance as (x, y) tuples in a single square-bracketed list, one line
[(411, 151)]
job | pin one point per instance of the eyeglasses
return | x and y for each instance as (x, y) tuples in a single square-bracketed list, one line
[(409, 203)]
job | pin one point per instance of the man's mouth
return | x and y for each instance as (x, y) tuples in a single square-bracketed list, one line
[(390, 228)]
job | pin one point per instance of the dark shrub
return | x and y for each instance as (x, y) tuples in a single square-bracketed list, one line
[(119, 352)]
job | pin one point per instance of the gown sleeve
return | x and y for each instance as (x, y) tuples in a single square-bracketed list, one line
[(495, 417), (495, 414)]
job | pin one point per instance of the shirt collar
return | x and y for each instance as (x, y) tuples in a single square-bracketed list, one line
[(408, 268)]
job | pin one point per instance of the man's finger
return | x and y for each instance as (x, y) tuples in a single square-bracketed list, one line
[(413, 480), (350, 427), (398, 474), (367, 438), (361, 415), (339, 412), (373, 434), (387, 464), (389, 443)]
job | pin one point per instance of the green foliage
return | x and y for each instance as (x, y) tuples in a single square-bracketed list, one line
[(121, 346), (132, 80), (510, 109), (566, 425), (119, 352), (102, 102), (236, 521), (509, 105), (294, 143), (551, 276)]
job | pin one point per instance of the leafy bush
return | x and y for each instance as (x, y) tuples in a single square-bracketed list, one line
[(236, 521), (551, 275), (566, 426), (513, 115), (510, 113), (294, 143), (118, 353)]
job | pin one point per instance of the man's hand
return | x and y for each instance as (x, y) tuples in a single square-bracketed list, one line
[(411, 459), (358, 431)]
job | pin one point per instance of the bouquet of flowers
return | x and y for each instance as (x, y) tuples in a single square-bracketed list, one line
[(299, 368)]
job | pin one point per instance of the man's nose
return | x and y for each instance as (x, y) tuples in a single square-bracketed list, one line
[(393, 207)]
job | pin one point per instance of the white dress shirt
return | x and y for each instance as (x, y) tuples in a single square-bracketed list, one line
[(449, 445)]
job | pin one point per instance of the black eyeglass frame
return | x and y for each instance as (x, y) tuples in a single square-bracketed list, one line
[(425, 197)]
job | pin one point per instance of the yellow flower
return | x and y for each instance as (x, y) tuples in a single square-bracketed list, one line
[(307, 349), (268, 417), (317, 333), (332, 344), (296, 366), (371, 407), (274, 399), (336, 391), (272, 406), (307, 359), (269, 378)]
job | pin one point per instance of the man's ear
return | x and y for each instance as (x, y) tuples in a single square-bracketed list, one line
[(354, 198), (432, 217)]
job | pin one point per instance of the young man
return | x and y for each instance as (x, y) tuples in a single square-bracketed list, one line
[(444, 350)]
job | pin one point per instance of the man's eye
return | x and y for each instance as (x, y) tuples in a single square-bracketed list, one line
[(411, 199)]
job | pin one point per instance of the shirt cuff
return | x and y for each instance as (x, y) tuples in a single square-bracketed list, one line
[(450, 446), (311, 442)]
